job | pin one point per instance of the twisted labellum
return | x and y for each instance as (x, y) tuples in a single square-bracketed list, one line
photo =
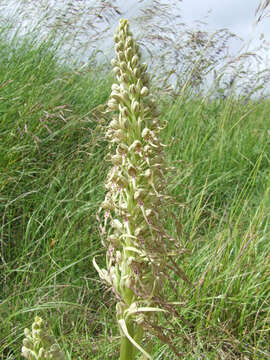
[(39, 345), (139, 251)]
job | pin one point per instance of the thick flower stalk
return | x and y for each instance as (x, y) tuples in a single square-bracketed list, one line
[(139, 251), (39, 345)]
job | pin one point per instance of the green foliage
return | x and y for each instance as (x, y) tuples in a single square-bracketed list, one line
[(51, 173)]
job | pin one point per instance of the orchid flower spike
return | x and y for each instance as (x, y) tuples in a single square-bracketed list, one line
[(39, 345), (139, 250)]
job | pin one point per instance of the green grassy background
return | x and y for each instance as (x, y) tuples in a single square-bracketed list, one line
[(52, 171)]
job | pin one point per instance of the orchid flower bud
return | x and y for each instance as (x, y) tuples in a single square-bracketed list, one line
[(115, 87), (135, 107), (124, 111), (143, 67), (124, 123), (136, 72), (116, 70), (27, 343), (123, 66), (135, 60), (115, 96), (128, 53), (114, 62), (116, 38), (129, 42), (124, 78), (144, 91), (132, 90), (125, 96), (113, 104), (121, 56), (119, 46)]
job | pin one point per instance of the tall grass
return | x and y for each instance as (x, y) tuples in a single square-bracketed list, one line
[(50, 190), (52, 172)]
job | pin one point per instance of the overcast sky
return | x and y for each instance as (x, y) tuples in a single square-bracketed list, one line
[(236, 15)]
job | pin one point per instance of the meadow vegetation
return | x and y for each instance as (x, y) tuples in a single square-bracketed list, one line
[(52, 172)]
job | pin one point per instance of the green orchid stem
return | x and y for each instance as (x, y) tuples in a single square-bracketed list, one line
[(127, 349), (138, 338)]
